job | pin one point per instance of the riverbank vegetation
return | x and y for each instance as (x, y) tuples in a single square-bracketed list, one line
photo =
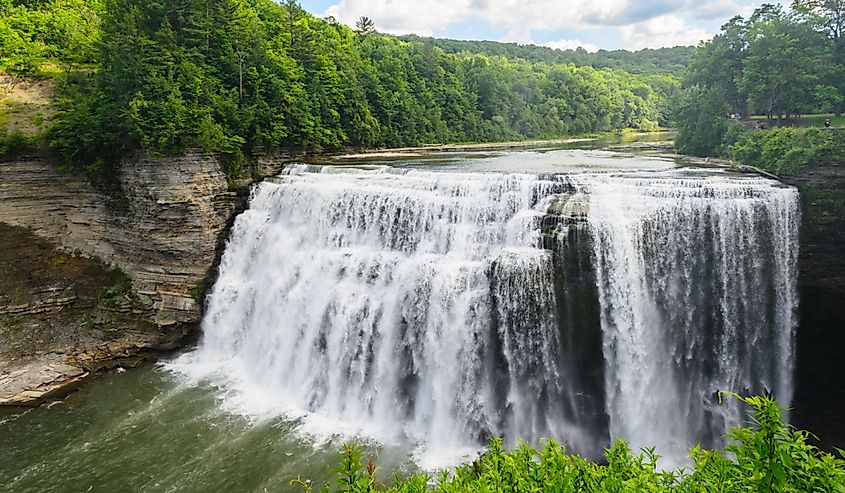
[(39, 38), (767, 455), (243, 77), (781, 64), (786, 150)]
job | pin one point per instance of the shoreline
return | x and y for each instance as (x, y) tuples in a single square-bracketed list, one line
[(434, 148), (427, 149)]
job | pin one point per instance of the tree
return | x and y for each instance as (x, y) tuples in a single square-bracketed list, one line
[(365, 25), (828, 14), (701, 116), (784, 63), (719, 63)]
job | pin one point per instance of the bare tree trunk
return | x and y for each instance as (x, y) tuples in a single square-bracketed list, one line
[(9, 84)]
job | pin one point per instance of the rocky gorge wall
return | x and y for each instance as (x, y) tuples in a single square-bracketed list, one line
[(163, 233), (820, 388)]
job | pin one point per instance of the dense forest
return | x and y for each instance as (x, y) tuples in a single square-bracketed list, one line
[(38, 35), (779, 63), (243, 77), (247, 76), (672, 61)]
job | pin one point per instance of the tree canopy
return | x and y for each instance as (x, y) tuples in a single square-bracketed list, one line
[(779, 63), (670, 61), (33, 32), (241, 77)]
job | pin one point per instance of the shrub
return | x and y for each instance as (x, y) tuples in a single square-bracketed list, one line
[(767, 455), (786, 150), (14, 144)]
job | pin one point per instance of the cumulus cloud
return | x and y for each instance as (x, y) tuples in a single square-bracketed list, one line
[(666, 30), (643, 23), (571, 44), (401, 16)]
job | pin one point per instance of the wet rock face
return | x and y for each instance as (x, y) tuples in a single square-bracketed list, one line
[(54, 305), (163, 236), (820, 388), (163, 233)]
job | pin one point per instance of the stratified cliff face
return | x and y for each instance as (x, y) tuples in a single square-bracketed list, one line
[(820, 386), (163, 233), (163, 236)]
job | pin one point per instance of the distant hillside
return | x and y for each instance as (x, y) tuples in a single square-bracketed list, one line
[(241, 77), (660, 61)]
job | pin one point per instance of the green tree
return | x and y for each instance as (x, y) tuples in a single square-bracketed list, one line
[(783, 65), (365, 25), (828, 16)]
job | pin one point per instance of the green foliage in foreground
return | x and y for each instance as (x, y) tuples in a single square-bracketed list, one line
[(766, 456)]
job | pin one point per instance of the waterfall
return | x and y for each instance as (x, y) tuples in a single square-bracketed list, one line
[(444, 307), (696, 279)]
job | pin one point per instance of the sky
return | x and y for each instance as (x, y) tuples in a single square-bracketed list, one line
[(564, 24)]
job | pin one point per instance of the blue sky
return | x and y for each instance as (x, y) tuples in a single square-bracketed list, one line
[(592, 24)]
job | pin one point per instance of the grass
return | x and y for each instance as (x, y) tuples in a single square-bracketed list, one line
[(25, 106), (814, 120)]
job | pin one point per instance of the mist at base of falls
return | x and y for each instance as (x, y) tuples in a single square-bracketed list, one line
[(443, 308)]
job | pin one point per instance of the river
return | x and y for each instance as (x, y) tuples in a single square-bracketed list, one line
[(423, 304)]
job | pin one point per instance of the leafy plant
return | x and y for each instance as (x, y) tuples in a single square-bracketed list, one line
[(766, 455), (785, 150), (14, 144)]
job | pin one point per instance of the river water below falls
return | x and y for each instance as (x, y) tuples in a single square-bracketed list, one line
[(424, 305)]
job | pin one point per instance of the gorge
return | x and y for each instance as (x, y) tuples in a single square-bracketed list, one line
[(260, 245), (388, 300)]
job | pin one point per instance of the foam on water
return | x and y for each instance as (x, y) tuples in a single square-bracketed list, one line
[(422, 307)]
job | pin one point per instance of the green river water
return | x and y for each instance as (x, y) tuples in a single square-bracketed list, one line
[(141, 430)]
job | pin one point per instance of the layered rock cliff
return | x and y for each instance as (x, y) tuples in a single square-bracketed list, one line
[(162, 229)]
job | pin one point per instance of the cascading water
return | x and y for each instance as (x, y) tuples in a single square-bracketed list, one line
[(445, 308), (697, 289)]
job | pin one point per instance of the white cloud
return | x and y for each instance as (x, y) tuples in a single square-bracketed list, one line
[(401, 16), (517, 18), (571, 44), (666, 30), (719, 9), (639, 23)]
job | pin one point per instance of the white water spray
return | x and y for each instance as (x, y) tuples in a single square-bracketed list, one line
[(696, 282), (422, 306)]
